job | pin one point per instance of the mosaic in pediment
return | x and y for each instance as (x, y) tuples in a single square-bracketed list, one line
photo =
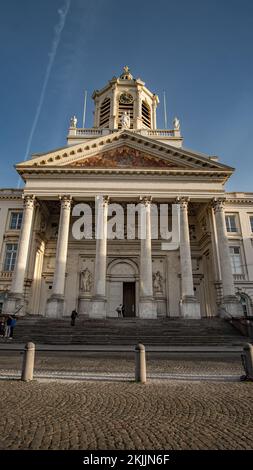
[(123, 158)]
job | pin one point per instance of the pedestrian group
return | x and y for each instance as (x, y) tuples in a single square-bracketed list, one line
[(7, 325)]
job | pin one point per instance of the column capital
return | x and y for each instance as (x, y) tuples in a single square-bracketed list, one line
[(103, 200), (146, 200), (218, 204), (29, 201), (66, 201), (106, 200), (183, 201)]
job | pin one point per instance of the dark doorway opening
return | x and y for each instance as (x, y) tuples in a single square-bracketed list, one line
[(129, 298)]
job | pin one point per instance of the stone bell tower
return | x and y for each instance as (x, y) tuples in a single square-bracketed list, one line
[(125, 102)]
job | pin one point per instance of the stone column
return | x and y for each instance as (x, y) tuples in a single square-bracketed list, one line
[(138, 109), (190, 307), (96, 112), (98, 305), (113, 109), (154, 105), (55, 303), (16, 296), (147, 305), (230, 304)]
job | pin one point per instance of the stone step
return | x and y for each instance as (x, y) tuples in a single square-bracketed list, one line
[(165, 331)]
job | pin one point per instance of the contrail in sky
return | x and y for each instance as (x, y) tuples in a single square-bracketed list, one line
[(63, 12)]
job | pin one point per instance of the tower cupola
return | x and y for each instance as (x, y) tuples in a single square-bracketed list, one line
[(125, 102)]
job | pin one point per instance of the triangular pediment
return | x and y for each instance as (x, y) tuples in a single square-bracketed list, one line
[(124, 150), (123, 157)]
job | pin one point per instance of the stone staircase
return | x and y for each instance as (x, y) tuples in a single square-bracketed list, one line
[(126, 331)]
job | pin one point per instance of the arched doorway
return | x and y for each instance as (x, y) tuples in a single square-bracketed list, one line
[(246, 304), (122, 279)]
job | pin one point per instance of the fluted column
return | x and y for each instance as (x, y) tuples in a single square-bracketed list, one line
[(55, 304), (16, 296), (147, 306), (190, 307), (230, 303), (98, 309)]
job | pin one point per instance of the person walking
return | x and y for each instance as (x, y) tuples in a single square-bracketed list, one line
[(8, 327), (74, 314), (2, 326), (13, 324)]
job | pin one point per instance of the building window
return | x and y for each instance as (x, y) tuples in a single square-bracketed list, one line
[(105, 113), (16, 220), (251, 222), (236, 261), (231, 223), (10, 256), (146, 117)]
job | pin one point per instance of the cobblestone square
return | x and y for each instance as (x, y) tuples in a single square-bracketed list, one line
[(117, 415)]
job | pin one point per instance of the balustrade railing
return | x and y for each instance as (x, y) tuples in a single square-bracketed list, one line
[(239, 277), (5, 274)]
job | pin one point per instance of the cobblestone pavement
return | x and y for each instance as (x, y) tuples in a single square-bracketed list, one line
[(103, 415), (124, 362)]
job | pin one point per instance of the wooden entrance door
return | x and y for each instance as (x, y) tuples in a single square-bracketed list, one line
[(129, 298)]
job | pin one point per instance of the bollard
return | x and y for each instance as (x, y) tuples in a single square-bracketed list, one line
[(140, 364), (28, 362), (247, 360)]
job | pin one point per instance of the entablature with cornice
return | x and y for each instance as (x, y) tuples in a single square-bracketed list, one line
[(125, 153)]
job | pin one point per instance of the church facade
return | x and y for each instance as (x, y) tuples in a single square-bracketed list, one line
[(125, 161)]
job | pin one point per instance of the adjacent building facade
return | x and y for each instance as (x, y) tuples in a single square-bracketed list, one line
[(45, 270)]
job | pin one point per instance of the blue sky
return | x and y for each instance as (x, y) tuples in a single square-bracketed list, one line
[(198, 51)]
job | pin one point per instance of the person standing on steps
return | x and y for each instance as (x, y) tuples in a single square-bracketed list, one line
[(8, 327), (74, 314), (120, 310), (123, 310), (13, 324)]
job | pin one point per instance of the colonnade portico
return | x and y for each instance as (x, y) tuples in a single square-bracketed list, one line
[(189, 306), (126, 157)]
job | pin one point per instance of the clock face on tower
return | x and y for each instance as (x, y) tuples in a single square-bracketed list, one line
[(125, 98)]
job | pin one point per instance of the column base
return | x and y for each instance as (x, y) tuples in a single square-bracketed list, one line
[(55, 306), (14, 305), (98, 308), (147, 309), (230, 306), (190, 308)]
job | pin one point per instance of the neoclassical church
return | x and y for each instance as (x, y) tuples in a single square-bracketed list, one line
[(124, 159)]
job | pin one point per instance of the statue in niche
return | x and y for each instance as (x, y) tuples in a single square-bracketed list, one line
[(125, 120), (158, 282), (85, 280)]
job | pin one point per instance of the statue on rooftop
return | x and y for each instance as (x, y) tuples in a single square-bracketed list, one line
[(176, 124), (73, 121)]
